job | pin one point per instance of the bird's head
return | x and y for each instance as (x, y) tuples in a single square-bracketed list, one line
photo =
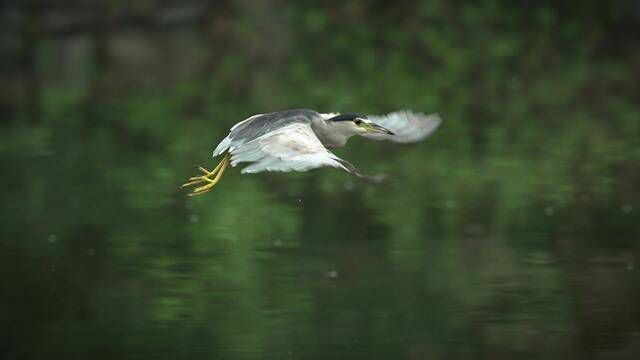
[(358, 123)]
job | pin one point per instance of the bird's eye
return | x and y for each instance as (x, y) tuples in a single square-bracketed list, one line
[(357, 121)]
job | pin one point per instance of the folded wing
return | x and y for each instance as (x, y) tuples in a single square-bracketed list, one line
[(294, 147)]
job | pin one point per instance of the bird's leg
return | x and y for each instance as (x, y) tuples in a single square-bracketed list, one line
[(348, 167), (210, 177), (212, 182), (203, 178)]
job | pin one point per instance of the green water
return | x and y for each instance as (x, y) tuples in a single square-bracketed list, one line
[(511, 233)]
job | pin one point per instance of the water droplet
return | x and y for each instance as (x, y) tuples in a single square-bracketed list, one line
[(277, 242), (194, 218), (626, 208), (332, 274), (91, 252), (53, 238), (631, 266), (349, 185), (549, 210), (450, 204)]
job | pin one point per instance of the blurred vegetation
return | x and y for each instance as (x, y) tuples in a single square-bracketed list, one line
[(512, 233)]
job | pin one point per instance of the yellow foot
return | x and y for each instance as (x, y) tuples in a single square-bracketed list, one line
[(211, 178)]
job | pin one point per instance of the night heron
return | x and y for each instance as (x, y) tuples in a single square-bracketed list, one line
[(298, 140)]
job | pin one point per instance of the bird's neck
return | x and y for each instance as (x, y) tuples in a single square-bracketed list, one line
[(332, 134)]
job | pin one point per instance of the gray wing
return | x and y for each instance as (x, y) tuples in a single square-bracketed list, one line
[(293, 147), (407, 126), (261, 124)]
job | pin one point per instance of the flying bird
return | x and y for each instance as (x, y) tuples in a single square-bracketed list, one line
[(300, 139)]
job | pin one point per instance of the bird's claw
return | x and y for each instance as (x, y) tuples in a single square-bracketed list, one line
[(205, 171), (205, 188), (196, 180), (210, 177)]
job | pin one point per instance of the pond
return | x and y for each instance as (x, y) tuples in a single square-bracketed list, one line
[(512, 232)]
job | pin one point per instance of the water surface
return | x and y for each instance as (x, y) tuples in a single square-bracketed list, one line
[(511, 233)]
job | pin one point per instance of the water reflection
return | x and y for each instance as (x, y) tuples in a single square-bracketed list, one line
[(305, 266), (448, 259)]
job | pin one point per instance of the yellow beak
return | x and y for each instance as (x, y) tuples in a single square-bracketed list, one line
[(370, 127)]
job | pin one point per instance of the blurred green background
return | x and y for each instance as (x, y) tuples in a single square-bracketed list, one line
[(512, 233)]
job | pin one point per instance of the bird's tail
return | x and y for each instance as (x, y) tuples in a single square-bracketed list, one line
[(209, 179)]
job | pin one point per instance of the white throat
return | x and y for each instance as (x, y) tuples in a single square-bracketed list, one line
[(333, 134)]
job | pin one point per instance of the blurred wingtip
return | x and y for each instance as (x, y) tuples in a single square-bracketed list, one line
[(435, 118)]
